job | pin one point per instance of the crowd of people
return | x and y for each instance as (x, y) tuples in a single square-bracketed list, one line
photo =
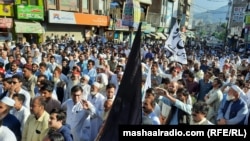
[(63, 89), (211, 89)]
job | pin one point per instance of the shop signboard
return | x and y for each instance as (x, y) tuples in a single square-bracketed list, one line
[(63, 17), (6, 22), (6, 10), (131, 14), (6, 1), (247, 18), (32, 12)]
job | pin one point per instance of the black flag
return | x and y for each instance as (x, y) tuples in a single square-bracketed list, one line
[(127, 106)]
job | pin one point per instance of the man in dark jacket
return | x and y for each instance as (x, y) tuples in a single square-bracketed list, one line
[(57, 123), (8, 119)]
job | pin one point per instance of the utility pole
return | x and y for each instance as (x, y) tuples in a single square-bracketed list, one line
[(228, 20)]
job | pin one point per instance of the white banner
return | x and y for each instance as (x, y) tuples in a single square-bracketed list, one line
[(175, 45)]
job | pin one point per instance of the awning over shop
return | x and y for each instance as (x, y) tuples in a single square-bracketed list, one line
[(28, 27), (162, 36)]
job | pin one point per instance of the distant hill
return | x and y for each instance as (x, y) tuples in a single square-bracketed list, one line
[(212, 16)]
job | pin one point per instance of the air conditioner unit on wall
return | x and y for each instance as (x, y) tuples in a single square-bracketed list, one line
[(98, 12)]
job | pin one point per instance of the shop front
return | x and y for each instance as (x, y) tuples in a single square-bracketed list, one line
[(6, 21), (78, 24), (27, 26), (28, 31)]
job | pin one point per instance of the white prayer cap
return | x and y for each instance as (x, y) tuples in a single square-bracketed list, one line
[(236, 88), (8, 101), (86, 77), (100, 67), (96, 84)]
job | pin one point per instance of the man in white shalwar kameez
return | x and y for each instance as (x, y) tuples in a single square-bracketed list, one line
[(79, 111), (97, 99)]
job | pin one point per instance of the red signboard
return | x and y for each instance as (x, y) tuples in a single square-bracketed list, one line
[(6, 22)]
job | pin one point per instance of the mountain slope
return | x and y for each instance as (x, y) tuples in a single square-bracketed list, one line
[(212, 16)]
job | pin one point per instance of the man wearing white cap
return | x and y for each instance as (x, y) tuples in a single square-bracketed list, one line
[(234, 109), (84, 80), (8, 119), (97, 99)]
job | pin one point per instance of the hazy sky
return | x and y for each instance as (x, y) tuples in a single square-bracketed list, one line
[(205, 5)]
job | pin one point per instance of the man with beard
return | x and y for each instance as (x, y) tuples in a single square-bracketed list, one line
[(73, 81), (60, 81), (148, 111), (97, 99), (14, 69), (163, 101), (85, 86), (233, 110), (30, 79), (46, 92), (8, 119), (180, 109), (198, 73), (35, 67), (37, 123)]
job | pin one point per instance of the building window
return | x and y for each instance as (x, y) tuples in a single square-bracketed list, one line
[(85, 6), (70, 5), (33, 2), (24, 2), (6, 1), (51, 2)]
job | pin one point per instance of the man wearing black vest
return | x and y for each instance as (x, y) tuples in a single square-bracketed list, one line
[(234, 109)]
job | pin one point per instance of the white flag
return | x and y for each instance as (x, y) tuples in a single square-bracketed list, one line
[(147, 83), (175, 45)]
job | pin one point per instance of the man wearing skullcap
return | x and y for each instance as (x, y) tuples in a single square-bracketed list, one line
[(97, 99), (233, 110), (85, 86), (8, 119)]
